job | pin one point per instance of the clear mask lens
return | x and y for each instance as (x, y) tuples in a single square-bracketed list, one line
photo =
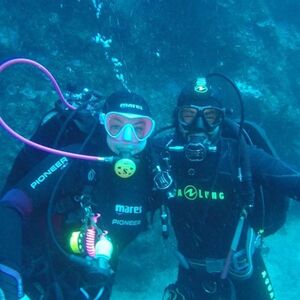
[(119, 124), (212, 116)]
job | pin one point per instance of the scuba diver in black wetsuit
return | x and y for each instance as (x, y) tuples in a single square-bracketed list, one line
[(212, 178), (93, 209)]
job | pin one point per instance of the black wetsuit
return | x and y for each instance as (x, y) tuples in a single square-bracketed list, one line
[(205, 214), (25, 244)]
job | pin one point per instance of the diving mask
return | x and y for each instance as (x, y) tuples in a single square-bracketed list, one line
[(195, 118), (128, 127), (127, 133)]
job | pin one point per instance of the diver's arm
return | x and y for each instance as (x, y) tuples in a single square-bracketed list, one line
[(10, 250), (32, 192), (16, 207), (274, 173)]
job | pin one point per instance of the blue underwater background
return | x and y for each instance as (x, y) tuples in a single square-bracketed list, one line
[(153, 47)]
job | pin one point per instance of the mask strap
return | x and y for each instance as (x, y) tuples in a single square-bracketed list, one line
[(102, 118)]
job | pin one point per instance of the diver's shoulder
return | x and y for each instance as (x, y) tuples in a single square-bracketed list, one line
[(163, 138)]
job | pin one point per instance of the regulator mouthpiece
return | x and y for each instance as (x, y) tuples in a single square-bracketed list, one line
[(125, 167), (198, 146)]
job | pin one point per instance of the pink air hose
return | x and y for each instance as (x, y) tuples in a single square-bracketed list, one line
[(58, 90)]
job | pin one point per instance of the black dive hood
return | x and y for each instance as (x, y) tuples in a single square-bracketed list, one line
[(233, 101), (228, 95), (216, 90)]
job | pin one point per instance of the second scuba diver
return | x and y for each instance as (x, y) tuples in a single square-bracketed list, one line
[(96, 210), (211, 181)]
